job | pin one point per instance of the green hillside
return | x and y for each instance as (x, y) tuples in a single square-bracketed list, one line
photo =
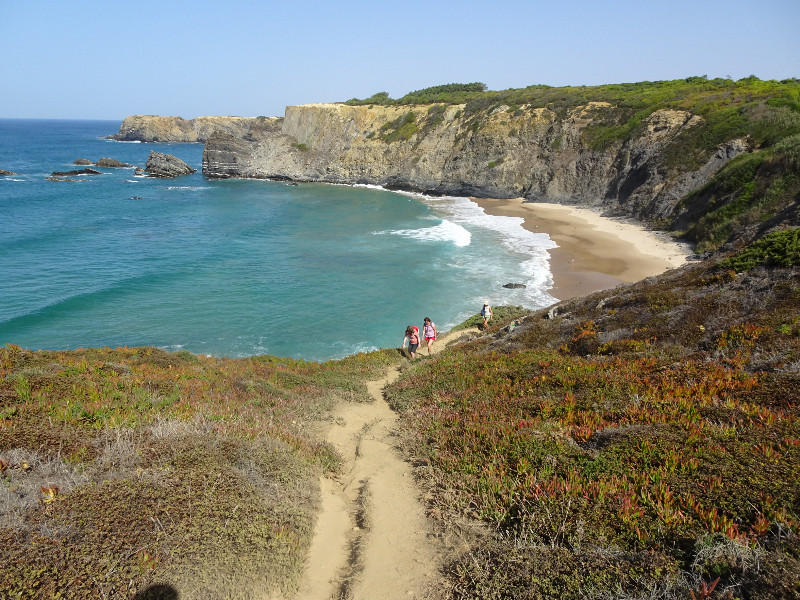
[(642, 442)]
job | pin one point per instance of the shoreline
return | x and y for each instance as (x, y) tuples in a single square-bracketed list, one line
[(594, 252)]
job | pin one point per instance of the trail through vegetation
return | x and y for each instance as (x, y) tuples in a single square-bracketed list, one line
[(372, 538)]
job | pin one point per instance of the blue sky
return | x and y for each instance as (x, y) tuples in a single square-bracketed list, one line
[(108, 60)]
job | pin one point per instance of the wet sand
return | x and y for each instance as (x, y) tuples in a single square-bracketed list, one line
[(594, 252)]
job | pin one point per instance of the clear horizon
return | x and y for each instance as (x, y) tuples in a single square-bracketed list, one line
[(106, 61)]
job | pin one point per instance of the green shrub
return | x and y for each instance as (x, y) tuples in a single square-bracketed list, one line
[(380, 98), (777, 249), (496, 163), (401, 128)]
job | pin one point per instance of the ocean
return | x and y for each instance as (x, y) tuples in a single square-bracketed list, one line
[(235, 267)]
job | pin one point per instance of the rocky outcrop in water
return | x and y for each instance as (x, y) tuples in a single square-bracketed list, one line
[(112, 163), (3, 173), (535, 153), (105, 162), (151, 128), (166, 165), (74, 173)]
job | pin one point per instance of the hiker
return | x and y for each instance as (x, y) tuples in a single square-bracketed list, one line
[(429, 333), (486, 313), (412, 339)]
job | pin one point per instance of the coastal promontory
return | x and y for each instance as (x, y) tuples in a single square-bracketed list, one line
[(152, 128), (666, 153)]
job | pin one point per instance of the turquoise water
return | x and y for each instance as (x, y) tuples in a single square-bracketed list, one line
[(236, 267)]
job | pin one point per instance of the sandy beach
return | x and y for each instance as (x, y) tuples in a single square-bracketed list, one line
[(594, 252)]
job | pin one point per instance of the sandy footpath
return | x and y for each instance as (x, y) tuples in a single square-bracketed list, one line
[(372, 538), (594, 252)]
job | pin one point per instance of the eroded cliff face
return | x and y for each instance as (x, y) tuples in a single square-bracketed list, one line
[(152, 128), (533, 153)]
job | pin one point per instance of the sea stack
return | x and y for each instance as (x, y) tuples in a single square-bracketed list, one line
[(166, 165)]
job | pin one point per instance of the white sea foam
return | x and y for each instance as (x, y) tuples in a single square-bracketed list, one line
[(534, 266), (446, 231), (369, 186), (190, 188), (531, 248)]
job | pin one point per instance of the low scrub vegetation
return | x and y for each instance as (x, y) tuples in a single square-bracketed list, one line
[(402, 128), (640, 443), (122, 468), (752, 192), (777, 249), (451, 93)]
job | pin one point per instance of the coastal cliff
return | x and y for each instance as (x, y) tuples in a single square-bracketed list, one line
[(530, 153), (153, 128), (712, 160)]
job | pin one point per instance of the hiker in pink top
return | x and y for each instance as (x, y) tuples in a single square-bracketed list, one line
[(429, 333), (412, 339)]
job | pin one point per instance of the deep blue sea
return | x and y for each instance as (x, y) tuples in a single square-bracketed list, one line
[(235, 267)]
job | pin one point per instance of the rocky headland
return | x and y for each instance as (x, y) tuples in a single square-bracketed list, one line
[(536, 154), (657, 151), (530, 153), (151, 128)]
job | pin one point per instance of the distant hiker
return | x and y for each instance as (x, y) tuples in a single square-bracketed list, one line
[(486, 313), (412, 339), (429, 333)]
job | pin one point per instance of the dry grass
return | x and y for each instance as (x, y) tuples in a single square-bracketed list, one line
[(130, 468)]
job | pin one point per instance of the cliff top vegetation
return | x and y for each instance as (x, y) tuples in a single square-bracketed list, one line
[(764, 111), (692, 93), (634, 444)]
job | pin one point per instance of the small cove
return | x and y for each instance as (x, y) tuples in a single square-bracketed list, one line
[(235, 267)]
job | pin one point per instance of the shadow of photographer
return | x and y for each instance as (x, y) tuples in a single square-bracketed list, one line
[(157, 591)]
